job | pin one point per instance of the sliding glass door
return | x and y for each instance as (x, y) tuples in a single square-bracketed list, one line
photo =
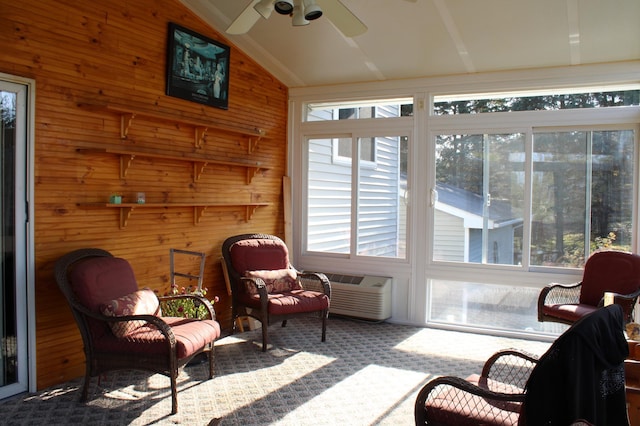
[(13, 239)]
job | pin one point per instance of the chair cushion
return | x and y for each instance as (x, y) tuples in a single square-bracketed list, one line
[(191, 336), (277, 281), (141, 302), (98, 280), (609, 271), (294, 302), (259, 254), (451, 406), (568, 312)]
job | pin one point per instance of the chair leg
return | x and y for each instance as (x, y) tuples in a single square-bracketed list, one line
[(324, 326), (174, 391), (264, 334), (85, 387), (211, 356)]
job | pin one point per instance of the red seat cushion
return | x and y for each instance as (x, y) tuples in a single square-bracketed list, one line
[(452, 406), (296, 301), (569, 312), (191, 336)]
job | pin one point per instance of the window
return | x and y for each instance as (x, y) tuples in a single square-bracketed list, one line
[(513, 190), (343, 149), (582, 194), (479, 211), (556, 99), (377, 211), (359, 110)]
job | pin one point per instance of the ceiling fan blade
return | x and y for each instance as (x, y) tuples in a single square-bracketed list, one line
[(245, 20), (342, 18)]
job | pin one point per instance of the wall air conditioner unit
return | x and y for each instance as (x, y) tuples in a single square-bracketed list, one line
[(359, 296)]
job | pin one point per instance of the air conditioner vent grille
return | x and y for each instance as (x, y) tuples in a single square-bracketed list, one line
[(345, 279)]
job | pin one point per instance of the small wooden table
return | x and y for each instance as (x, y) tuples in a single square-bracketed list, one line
[(632, 378)]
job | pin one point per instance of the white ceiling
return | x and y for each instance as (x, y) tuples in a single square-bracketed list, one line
[(435, 37)]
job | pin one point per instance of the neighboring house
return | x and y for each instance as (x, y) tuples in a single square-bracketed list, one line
[(460, 222)]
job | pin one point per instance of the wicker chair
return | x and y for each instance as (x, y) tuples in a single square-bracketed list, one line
[(614, 272), (570, 384), (122, 327), (265, 286)]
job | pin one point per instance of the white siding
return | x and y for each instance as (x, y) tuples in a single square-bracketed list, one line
[(449, 237)]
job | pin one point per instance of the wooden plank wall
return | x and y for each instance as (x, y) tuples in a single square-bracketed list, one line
[(113, 52)]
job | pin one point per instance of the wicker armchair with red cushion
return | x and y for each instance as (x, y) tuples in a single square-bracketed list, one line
[(122, 326), (614, 272), (265, 286), (579, 380)]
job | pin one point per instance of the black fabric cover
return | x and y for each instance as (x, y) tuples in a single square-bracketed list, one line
[(582, 375)]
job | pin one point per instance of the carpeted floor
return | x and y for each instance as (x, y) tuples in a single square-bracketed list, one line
[(364, 374)]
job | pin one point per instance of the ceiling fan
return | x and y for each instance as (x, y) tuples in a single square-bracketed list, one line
[(301, 11)]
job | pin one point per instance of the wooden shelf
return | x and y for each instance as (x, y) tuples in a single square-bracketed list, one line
[(201, 127), (126, 209), (199, 162)]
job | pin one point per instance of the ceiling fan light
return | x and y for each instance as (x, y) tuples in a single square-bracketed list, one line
[(298, 19), (284, 7), (311, 10), (264, 8)]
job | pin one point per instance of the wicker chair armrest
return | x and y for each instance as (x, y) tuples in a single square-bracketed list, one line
[(460, 387), (198, 301), (627, 301), (555, 293), (510, 366), (156, 321), (261, 289), (326, 284), (624, 297)]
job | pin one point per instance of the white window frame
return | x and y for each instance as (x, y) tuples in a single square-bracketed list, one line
[(411, 277)]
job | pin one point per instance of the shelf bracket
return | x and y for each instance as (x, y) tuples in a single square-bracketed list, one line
[(252, 143), (201, 132), (125, 163), (249, 211), (126, 119), (198, 169), (198, 211), (251, 173), (125, 214)]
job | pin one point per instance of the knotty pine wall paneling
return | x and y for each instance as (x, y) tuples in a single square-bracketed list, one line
[(86, 55)]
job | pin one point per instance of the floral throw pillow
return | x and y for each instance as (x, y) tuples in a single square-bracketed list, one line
[(141, 302), (277, 281)]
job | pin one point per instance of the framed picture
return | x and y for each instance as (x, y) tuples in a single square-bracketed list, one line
[(197, 68)]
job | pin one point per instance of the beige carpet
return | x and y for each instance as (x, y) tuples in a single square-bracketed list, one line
[(364, 374)]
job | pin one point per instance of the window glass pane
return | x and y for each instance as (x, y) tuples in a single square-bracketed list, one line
[(379, 211), (367, 149), (8, 284), (479, 208), (582, 195), (358, 110), (503, 102), (382, 190), (491, 306), (328, 199)]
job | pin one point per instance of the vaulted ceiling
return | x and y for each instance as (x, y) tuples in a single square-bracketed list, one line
[(423, 38)]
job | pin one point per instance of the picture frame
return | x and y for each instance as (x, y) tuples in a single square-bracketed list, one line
[(197, 68)]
